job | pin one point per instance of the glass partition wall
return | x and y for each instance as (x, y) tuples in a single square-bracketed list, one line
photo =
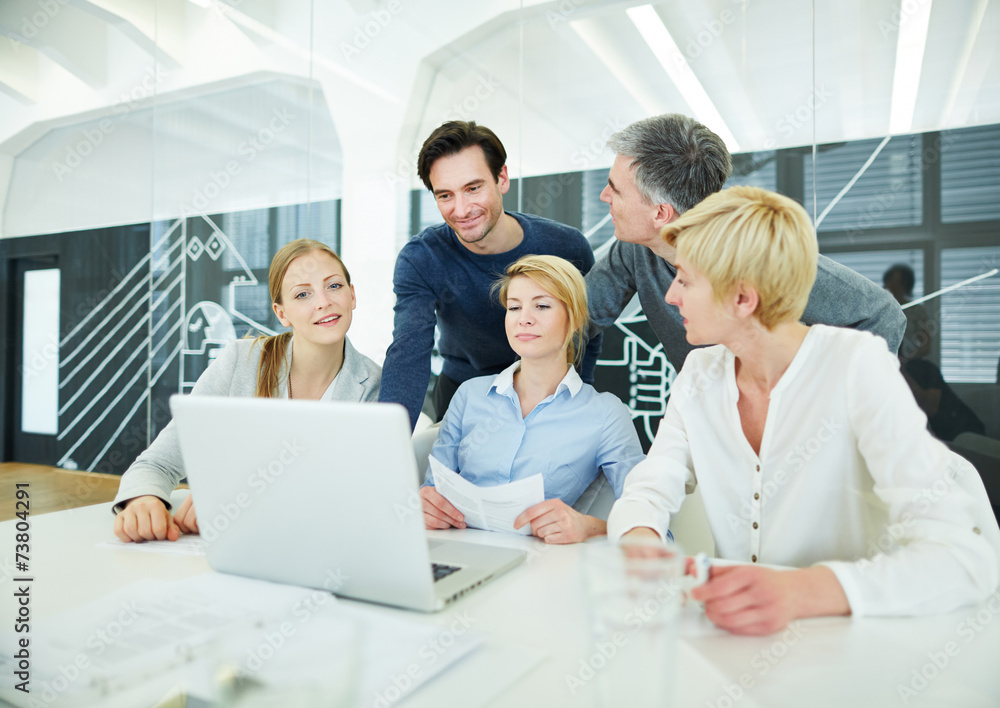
[(165, 158)]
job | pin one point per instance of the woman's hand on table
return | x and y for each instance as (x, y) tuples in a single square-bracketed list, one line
[(439, 513), (749, 599), (554, 521), (146, 518)]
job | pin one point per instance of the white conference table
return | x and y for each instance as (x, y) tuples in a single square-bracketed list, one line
[(539, 608)]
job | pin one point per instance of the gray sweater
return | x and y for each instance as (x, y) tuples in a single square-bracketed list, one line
[(234, 373), (840, 297)]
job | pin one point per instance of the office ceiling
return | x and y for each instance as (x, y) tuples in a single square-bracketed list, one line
[(554, 78)]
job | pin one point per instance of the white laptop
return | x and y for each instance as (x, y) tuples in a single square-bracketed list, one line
[(323, 495)]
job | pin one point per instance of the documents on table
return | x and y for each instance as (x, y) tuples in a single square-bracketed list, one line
[(489, 508), (214, 631), (186, 545)]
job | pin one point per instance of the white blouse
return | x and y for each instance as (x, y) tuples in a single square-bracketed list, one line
[(847, 475)]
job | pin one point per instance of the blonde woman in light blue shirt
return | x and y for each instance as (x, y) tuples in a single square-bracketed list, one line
[(537, 416)]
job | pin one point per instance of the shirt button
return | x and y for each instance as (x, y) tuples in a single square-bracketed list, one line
[(975, 530), (755, 524), (758, 468), (756, 495), (753, 558)]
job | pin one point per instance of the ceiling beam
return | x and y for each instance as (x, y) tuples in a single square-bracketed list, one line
[(130, 30), (70, 38)]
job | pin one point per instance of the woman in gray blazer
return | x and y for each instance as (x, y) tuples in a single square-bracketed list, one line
[(311, 293)]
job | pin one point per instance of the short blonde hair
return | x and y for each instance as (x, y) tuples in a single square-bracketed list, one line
[(565, 283), (755, 237)]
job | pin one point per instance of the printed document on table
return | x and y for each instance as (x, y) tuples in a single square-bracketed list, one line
[(186, 545), (130, 647), (489, 508)]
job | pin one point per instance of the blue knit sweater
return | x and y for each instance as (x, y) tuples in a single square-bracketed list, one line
[(439, 281)]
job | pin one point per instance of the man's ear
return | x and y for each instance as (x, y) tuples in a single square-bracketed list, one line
[(665, 213), (503, 181), (745, 300)]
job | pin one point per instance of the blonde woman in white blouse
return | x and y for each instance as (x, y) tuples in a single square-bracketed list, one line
[(806, 442)]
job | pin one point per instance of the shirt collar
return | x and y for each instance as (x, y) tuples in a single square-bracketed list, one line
[(504, 381)]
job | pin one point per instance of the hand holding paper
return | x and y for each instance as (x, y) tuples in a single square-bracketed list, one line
[(439, 513), (489, 508)]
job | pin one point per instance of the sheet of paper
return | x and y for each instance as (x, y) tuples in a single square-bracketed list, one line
[(186, 545), (154, 635), (489, 508)]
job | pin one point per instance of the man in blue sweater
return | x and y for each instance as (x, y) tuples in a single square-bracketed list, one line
[(664, 166), (444, 276)]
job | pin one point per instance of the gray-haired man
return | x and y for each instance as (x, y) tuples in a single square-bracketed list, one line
[(664, 166)]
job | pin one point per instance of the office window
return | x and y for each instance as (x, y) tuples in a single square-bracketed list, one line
[(428, 212), (248, 230), (253, 301), (317, 220), (756, 169), (872, 264), (970, 317), (888, 194), (970, 174), (597, 226)]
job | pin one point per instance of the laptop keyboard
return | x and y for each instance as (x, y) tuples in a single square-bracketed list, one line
[(443, 571)]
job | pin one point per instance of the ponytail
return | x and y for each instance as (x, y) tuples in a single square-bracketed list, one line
[(272, 356)]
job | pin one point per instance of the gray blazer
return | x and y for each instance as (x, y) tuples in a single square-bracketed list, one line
[(159, 469)]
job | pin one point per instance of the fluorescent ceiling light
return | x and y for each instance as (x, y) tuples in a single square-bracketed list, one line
[(913, 23), (651, 27)]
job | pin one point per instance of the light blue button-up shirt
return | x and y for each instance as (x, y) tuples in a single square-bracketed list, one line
[(569, 438)]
